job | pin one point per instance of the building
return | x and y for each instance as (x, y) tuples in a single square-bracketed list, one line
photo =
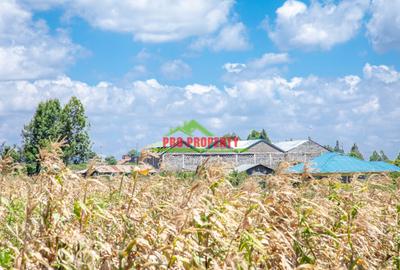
[(109, 170), (336, 163), (245, 152), (254, 169), (187, 157), (127, 159), (301, 150), (113, 170)]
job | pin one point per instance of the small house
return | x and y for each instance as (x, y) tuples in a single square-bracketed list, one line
[(254, 169)]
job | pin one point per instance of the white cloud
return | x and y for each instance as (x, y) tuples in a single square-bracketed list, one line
[(149, 21), (370, 106), (113, 111), (27, 50), (318, 26), (290, 9), (327, 109), (384, 26), (135, 73), (232, 37), (41, 4), (143, 55), (199, 89), (176, 69), (265, 66), (269, 59), (382, 72), (234, 67)]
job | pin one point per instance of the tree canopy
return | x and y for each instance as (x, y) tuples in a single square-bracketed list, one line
[(381, 156), (375, 157), (51, 122), (133, 153), (397, 161), (354, 152), (255, 135), (74, 129), (384, 157), (231, 135), (12, 151), (111, 160), (338, 148)]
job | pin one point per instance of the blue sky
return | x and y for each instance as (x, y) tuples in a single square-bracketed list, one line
[(325, 69)]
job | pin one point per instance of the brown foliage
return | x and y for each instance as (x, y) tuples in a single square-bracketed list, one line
[(60, 220)]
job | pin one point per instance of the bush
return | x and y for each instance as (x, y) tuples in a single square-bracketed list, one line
[(236, 178)]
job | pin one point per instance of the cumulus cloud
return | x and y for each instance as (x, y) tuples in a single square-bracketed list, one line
[(232, 37), (176, 69), (384, 26), (269, 59), (317, 26), (27, 50), (149, 21), (382, 72), (115, 112), (327, 109), (266, 65), (234, 67)]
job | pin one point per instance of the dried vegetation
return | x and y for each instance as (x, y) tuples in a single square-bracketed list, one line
[(58, 220)]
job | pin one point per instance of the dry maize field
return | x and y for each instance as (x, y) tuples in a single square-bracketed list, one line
[(59, 220)]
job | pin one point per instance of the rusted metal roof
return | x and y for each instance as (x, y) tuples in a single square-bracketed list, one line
[(120, 169), (114, 168)]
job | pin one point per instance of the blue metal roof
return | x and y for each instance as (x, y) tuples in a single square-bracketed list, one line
[(339, 163), (386, 167)]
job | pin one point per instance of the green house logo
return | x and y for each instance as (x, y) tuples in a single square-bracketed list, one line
[(176, 143), (189, 127)]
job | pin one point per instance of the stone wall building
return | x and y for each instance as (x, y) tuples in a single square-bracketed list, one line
[(245, 152), (301, 150)]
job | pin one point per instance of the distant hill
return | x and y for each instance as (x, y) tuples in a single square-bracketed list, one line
[(189, 127)]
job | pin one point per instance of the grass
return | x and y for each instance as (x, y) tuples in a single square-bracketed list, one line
[(78, 167), (59, 220)]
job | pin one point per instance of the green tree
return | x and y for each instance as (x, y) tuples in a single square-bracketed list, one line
[(231, 135), (12, 151), (397, 161), (354, 152), (375, 157), (75, 133), (255, 135), (338, 148), (133, 153), (111, 160), (384, 157), (51, 122), (264, 135), (43, 128)]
